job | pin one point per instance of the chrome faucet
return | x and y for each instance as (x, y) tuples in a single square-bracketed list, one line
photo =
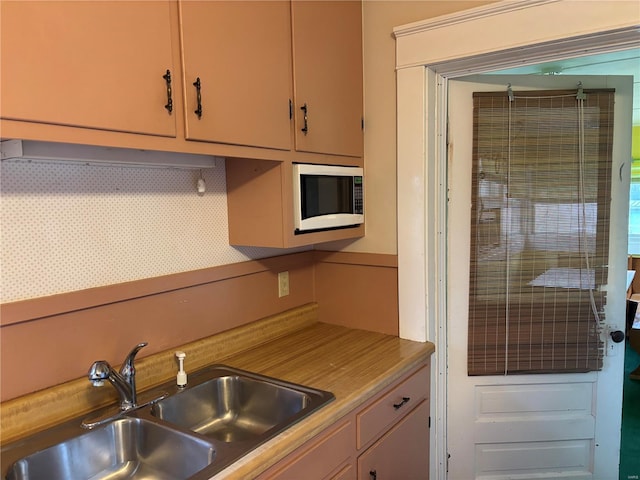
[(123, 381)]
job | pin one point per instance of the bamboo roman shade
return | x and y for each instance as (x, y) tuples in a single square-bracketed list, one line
[(539, 231)]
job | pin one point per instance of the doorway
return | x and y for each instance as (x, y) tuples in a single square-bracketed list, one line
[(626, 62), (466, 46)]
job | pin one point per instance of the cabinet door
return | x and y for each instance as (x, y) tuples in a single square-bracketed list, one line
[(327, 62), (401, 453), (241, 52), (89, 64)]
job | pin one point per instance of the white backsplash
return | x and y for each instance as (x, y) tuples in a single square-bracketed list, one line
[(70, 227)]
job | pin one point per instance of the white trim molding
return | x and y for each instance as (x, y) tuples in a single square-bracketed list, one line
[(510, 25)]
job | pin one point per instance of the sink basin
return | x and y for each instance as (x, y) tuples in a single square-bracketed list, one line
[(194, 433), (234, 406), (127, 448)]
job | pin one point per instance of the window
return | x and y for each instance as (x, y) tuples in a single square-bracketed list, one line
[(539, 233)]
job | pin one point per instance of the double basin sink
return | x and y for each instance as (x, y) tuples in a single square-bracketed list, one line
[(191, 433)]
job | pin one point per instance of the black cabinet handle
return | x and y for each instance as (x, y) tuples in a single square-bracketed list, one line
[(373, 474), (305, 128), (167, 79), (398, 405), (198, 110)]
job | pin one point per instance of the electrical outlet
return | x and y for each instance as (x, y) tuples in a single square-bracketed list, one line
[(283, 284)]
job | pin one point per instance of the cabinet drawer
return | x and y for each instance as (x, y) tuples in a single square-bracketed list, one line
[(392, 406), (346, 473), (402, 453), (317, 460)]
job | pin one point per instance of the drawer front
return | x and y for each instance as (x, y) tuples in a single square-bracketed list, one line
[(346, 473), (392, 406), (319, 458), (402, 453)]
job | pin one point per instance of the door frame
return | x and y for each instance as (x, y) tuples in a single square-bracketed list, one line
[(428, 54)]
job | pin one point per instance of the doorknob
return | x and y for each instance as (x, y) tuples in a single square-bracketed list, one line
[(617, 336)]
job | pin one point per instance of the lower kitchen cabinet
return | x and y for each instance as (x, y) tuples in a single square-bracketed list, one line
[(386, 438), (346, 473), (403, 452), (328, 455)]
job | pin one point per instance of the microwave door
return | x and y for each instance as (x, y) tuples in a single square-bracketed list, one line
[(323, 195)]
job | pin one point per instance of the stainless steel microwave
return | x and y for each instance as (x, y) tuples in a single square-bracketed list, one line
[(327, 197)]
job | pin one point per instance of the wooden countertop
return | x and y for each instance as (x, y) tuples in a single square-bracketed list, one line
[(352, 364)]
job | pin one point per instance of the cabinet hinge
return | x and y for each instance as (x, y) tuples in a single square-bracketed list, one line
[(362, 124), (429, 421), (290, 109)]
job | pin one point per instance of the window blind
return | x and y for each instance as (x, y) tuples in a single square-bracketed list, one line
[(539, 231)]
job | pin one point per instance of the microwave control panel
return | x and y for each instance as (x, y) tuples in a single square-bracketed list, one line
[(357, 196)]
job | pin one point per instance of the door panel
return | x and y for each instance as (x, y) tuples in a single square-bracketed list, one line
[(562, 425), (572, 457)]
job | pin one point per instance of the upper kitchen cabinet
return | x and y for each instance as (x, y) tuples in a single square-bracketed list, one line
[(327, 64), (237, 72), (98, 65), (267, 80)]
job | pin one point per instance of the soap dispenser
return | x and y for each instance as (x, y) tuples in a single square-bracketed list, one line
[(181, 378)]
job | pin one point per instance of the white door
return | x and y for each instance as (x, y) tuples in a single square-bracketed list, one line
[(532, 426)]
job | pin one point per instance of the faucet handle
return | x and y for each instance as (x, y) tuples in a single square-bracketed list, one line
[(99, 372), (127, 369)]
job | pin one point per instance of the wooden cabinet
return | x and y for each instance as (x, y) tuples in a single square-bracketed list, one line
[(386, 438), (96, 65), (326, 456), (100, 66), (260, 207), (240, 52), (327, 118), (375, 419), (327, 60), (346, 473), (240, 74), (403, 452)]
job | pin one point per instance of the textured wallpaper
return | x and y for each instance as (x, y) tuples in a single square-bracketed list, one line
[(69, 227)]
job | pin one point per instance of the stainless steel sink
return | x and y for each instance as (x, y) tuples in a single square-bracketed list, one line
[(233, 407), (194, 433), (126, 448)]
